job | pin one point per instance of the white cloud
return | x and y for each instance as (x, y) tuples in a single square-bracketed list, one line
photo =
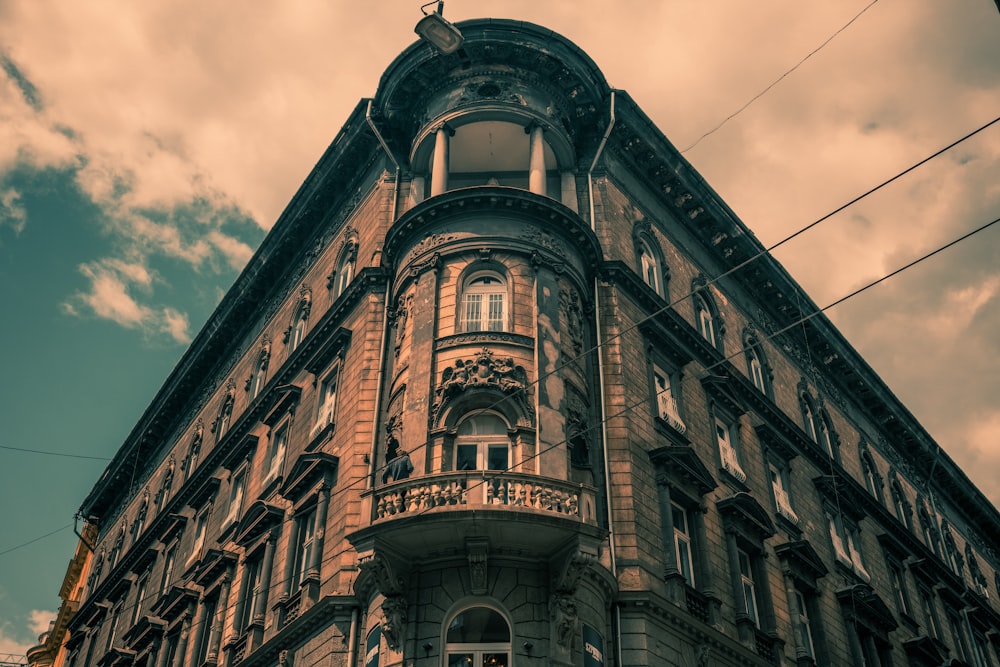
[(176, 325), (40, 619), (12, 213), (17, 637), (114, 294)]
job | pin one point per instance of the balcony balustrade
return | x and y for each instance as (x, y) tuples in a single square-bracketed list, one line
[(414, 496)]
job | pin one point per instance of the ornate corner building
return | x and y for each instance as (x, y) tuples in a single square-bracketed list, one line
[(508, 384)]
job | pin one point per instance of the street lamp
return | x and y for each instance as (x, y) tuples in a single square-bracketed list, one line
[(441, 34)]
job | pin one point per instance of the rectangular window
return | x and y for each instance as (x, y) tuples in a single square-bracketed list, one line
[(749, 590), (200, 527), (276, 451), (930, 613), (210, 606), (326, 412), (237, 489), (666, 401), (898, 582), (252, 595), (306, 544), (803, 629), (779, 486), (727, 451), (682, 543), (168, 569), (140, 597), (116, 615)]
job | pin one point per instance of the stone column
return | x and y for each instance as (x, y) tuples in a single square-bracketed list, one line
[(161, 653), (219, 620), (536, 160), (316, 559), (242, 599), (674, 579), (180, 658), (439, 169), (153, 656), (293, 532), (265, 577)]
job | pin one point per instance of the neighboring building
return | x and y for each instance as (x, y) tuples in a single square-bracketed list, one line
[(51, 649), (623, 443)]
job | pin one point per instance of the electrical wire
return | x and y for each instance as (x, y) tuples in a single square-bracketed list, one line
[(629, 408), (274, 584), (32, 541), (63, 454), (780, 78)]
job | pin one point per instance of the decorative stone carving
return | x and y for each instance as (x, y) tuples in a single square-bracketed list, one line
[(544, 240), (569, 301), (284, 658), (393, 621), (478, 551), (483, 372), (429, 243), (400, 316), (564, 620), (381, 570)]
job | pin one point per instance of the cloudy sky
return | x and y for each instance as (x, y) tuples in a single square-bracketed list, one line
[(146, 148)]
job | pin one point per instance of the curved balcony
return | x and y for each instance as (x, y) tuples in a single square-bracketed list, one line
[(519, 513)]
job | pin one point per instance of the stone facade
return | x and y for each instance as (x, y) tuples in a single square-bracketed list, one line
[(545, 403)]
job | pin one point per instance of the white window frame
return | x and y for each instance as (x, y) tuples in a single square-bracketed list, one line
[(140, 597), (480, 290), (803, 625), (484, 442), (649, 267), (755, 368), (779, 487), (326, 400), (748, 587), (276, 449), (237, 493), (259, 377), (666, 403), (706, 320), (684, 550), (305, 543), (200, 531), (727, 449)]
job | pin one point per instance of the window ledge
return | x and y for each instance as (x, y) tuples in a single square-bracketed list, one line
[(321, 436)]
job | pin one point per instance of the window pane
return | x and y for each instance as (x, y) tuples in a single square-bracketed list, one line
[(479, 625), (473, 311), (459, 660), (496, 312), (465, 457), (497, 457)]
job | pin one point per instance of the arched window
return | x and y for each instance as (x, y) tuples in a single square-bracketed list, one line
[(706, 325), (345, 270), (899, 503), (651, 265), (873, 481), (259, 377), (808, 417), (478, 637), (757, 368), (484, 302), (482, 443)]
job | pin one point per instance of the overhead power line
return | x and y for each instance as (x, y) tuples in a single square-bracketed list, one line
[(63, 454), (32, 541), (778, 80)]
